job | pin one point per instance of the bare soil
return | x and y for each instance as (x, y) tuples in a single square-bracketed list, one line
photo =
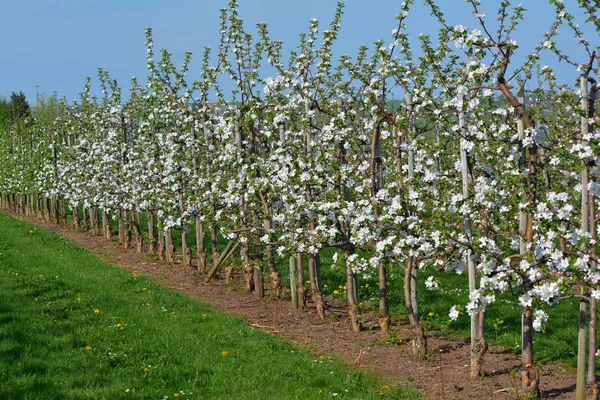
[(443, 375)]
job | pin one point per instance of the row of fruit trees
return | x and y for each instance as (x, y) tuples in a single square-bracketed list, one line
[(469, 171)]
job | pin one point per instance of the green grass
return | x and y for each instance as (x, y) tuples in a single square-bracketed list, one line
[(72, 327)]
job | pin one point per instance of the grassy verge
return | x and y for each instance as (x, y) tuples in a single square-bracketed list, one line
[(72, 327)]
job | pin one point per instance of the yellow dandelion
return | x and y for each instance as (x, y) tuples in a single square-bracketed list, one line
[(78, 298), (135, 276), (147, 304), (336, 292), (146, 369), (345, 288), (224, 353), (321, 357), (325, 286), (431, 314), (366, 285), (118, 325), (175, 394), (97, 311), (145, 289), (88, 348)]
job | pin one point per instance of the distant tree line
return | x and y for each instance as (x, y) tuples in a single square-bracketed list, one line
[(14, 109)]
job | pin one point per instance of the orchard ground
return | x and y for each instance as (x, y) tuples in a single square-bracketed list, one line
[(444, 374)]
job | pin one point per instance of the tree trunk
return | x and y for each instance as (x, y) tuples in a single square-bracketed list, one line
[(94, 221), (201, 250), (530, 376), (301, 286), (162, 245), (591, 377), (48, 208), (185, 249), (580, 387), (76, 217), (259, 287), (22, 206), (384, 311), (351, 286), (138, 237), (126, 227), (593, 390), (121, 227), (293, 282), (419, 341), (63, 212), (106, 225), (229, 275), (214, 241), (56, 210), (249, 278), (317, 296), (169, 246), (151, 233), (248, 269), (480, 347), (274, 275)]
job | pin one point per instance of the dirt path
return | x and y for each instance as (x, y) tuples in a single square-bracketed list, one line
[(443, 376)]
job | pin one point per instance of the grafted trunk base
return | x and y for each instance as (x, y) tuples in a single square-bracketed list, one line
[(354, 314), (96, 227), (480, 349), (170, 253), (530, 381), (202, 261), (419, 344), (276, 283), (249, 278), (593, 392), (317, 298), (302, 298), (152, 246), (259, 284), (187, 258), (161, 251), (228, 275), (384, 324)]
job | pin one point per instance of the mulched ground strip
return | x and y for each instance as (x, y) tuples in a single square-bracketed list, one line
[(445, 375)]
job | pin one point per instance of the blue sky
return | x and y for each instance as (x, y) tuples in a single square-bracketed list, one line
[(53, 45)]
